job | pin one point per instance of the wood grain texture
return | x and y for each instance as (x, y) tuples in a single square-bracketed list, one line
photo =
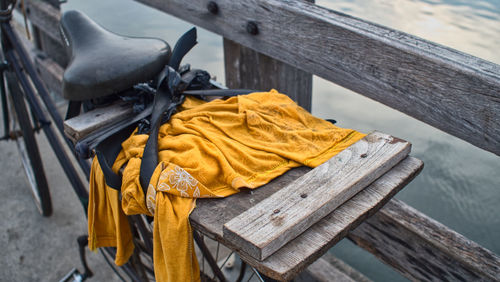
[(263, 229), (45, 20), (45, 17), (211, 214), (342, 266), (86, 123), (450, 90), (54, 49), (249, 69), (322, 271), (51, 74), (423, 249), (329, 268)]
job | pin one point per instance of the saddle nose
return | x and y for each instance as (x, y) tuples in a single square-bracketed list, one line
[(104, 63)]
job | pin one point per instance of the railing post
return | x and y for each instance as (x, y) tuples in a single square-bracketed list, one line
[(246, 68), (45, 42)]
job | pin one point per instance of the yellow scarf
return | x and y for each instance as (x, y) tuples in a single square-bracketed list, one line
[(206, 150)]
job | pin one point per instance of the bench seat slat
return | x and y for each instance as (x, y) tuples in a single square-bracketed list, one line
[(211, 214), (266, 227)]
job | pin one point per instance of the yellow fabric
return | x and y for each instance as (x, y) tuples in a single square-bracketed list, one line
[(108, 225), (210, 150)]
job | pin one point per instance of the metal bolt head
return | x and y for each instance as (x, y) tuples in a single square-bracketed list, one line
[(213, 8), (252, 28)]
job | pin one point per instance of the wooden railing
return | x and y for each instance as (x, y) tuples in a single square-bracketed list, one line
[(281, 44)]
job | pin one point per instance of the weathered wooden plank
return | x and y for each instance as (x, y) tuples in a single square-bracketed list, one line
[(45, 17), (52, 48), (263, 229), (211, 214), (329, 268), (246, 68), (86, 123), (20, 30), (422, 248), (51, 74), (345, 268), (249, 69), (453, 91), (322, 271)]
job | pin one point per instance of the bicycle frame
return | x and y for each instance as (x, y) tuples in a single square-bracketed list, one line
[(18, 61), (25, 72)]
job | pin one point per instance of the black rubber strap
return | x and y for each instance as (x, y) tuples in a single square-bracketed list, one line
[(165, 102), (219, 92), (185, 43), (162, 103), (167, 81), (106, 153)]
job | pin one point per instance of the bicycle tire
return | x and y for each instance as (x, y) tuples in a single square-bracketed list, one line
[(22, 132)]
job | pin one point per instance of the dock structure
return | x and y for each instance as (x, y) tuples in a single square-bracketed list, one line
[(291, 41)]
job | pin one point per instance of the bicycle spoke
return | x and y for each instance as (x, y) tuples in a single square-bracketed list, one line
[(110, 264), (211, 261), (217, 252), (227, 258), (243, 268), (249, 278), (202, 256), (258, 274)]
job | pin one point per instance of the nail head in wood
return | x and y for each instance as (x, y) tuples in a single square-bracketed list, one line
[(252, 28), (364, 155), (303, 196), (213, 8), (276, 211)]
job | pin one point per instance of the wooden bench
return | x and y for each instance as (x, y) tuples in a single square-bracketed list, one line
[(402, 71), (302, 213)]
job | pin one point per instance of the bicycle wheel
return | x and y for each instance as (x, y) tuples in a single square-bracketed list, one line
[(220, 263), (22, 132), (216, 261)]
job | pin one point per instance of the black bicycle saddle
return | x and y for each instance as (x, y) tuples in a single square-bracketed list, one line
[(104, 63)]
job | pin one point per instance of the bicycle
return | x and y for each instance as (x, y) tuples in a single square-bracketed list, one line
[(25, 116)]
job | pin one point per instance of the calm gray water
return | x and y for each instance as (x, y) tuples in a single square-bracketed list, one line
[(460, 183)]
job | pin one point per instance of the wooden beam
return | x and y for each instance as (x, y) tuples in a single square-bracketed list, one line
[(51, 74), (322, 271), (45, 17), (263, 229), (329, 268), (211, 214), (52, 48), (422, 248), (450, 90), (249, 69), (84, 124), (246, 68)]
